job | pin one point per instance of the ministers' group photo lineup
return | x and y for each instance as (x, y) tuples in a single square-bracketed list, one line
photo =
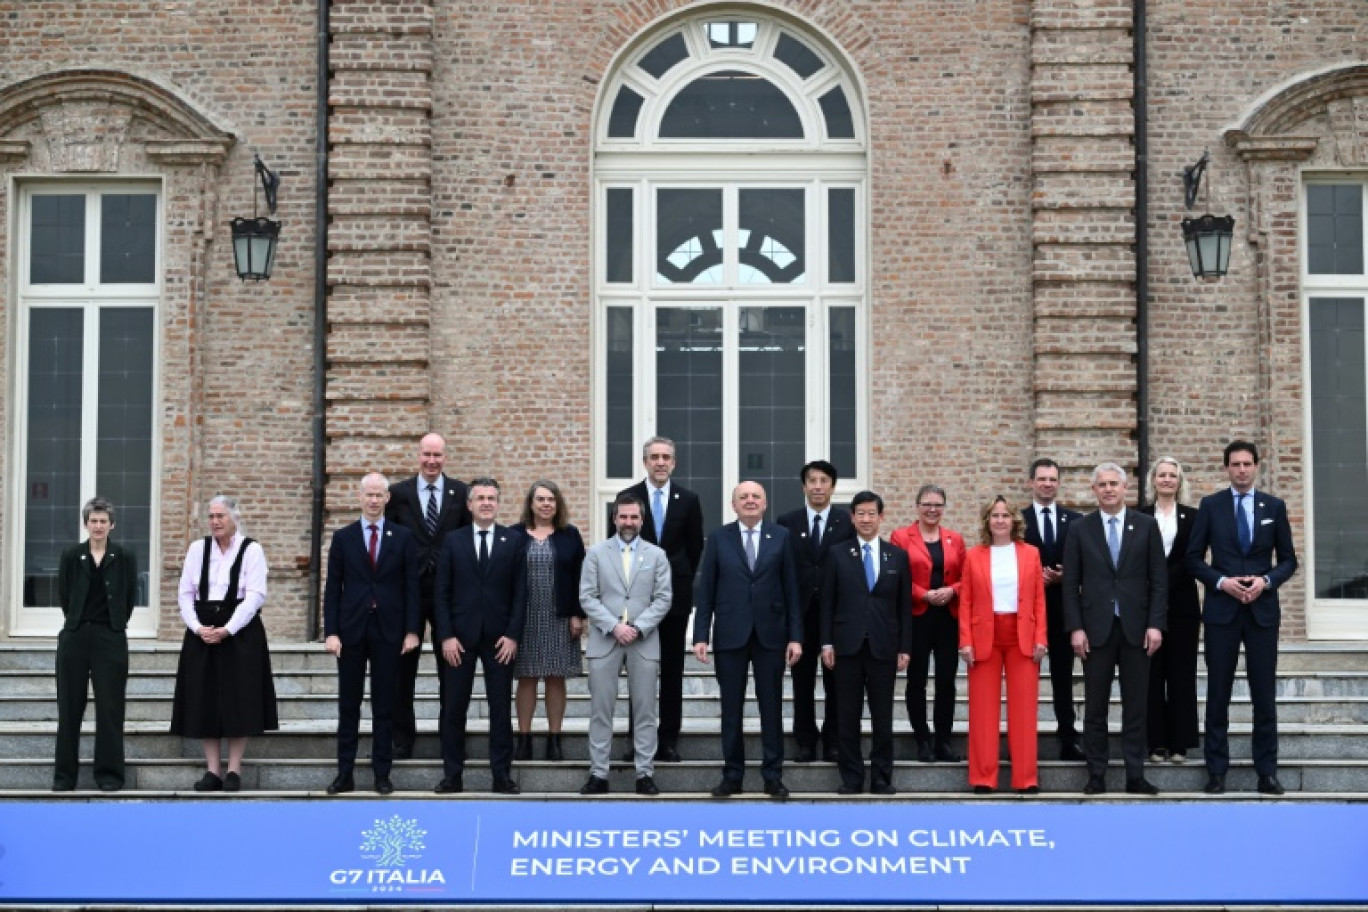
[(824, 589)]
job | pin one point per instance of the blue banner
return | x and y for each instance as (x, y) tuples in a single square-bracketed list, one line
[(522, 851)]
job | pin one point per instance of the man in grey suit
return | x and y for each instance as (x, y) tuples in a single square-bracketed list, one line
[(625, 590), (1115, 607)]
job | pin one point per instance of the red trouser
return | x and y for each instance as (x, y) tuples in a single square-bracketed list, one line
[(985, 708)]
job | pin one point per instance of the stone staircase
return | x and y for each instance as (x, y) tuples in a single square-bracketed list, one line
[(1322, 706)]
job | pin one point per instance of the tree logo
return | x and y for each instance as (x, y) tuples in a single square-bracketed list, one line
[(393, 843)]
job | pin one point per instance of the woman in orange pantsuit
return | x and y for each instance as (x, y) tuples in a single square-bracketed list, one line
[(1002, 630)]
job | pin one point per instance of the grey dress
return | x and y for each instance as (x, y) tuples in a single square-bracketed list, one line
[(546, 650)]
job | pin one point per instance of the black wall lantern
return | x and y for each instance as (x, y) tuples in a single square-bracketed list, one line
[(1208, 236), (255, 239)]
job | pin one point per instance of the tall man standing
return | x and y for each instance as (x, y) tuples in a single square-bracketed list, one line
[(625, 592), (748, 606), (1115, 604), (429, 505), (1243, 528), (815, 529), (480, 611), (673, 521), (1047, 529), (370, 615)]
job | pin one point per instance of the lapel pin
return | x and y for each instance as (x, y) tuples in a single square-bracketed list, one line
[(767, 535), (1261, 505), (502, 538), (854, 553)]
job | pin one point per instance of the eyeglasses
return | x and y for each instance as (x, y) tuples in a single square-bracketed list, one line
[(932, 506)]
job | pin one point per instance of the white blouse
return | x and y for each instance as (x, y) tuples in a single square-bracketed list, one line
[(1004, 575), (1168, 527), (251, 582)]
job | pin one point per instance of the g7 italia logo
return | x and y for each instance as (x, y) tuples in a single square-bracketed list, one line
[(390, 845)]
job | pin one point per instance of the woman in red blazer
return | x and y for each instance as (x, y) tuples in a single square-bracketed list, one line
[(1002, 629), (935, 557)]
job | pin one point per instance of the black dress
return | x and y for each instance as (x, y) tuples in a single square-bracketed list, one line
[(224, 690)]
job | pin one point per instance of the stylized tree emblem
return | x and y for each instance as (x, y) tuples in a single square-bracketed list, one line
[(389, 840)]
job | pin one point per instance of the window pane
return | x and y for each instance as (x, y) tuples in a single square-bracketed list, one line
[(771, 418), (842, 406), (123, 460), (689, 237), (836, 110), (689, 397), (57, 240), (773, 246), (128, 238), (660, 58), (731, 105), (622, 120), (731, 34), (841, 234), (620, 383), (798, 56), (618, 256), (1334, 228), (52, 487)]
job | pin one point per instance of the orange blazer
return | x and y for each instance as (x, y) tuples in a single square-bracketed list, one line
[(976, 600), (919, 563)]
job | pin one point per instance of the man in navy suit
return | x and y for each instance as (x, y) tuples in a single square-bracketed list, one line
[(429, 505), (814, 530), (1047, 529), (370, 614), (481, 606), (1244, 529), (748, 606), (866, 635), (674, 522)]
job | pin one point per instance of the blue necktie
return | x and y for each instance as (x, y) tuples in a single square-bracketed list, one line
[(1114, 541), (658, 514), (1242, 524), (870, 575)]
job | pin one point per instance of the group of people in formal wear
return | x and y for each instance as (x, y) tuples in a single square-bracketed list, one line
[(819, 588)]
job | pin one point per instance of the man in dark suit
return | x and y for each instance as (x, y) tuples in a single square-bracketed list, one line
[(370, 614), (1115, 602), (1243, 528), (866, 636), (749, 608), (429, 505), (1047, 529), (481, 606), (674, 522), (814, 530)]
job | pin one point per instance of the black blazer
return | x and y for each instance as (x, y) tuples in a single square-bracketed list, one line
[(568, 546), (405, 508), (476, 606), (352, 585), (851, 611), (733, 599), (1064, 519), (1214, 528), (120, 578), (682, 538), (838, 529), (1138, 584), (1183, 598)]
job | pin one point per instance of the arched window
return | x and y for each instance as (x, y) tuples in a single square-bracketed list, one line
[(730, 246)]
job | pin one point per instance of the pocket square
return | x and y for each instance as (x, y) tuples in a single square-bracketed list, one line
[(1264, 522)]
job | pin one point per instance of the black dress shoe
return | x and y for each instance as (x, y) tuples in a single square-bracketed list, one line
[(666, 753), (806, 754), (343, 783), (884, 789), (831, 755), (1215, 784), (646, 786), (1068, 750), (1269, 785), (1141, 786), (775, 788), (727, 787), (209, 783), (1029, 790), (63, 786), (232, 783), (403, 752), (114, 787), (848, 789), (449, 786), (595, 786), (924, 752), (554, 753), (506, 787), (383, 786), (983, 790), (1096, 786), (523, 750), (945, 755)]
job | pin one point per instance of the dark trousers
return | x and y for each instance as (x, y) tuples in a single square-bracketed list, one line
[(767, 666), (96, 654), (1061, 665), (405, 721), (935, 632), (1098, 671), (1172, 721), (804, 676), (498, 681), (1261, 668), (383, 658), (672, 632), (861, 677)]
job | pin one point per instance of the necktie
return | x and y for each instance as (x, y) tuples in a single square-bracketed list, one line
[(430, 516), (750, 549), (627, 563), (1047, 535), (870, 575), (1114, 541), (658, 513), (816, 531), (1242, 524), (374, 543), (484, 548)]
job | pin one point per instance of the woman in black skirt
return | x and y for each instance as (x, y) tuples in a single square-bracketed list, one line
[(224, 689)]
